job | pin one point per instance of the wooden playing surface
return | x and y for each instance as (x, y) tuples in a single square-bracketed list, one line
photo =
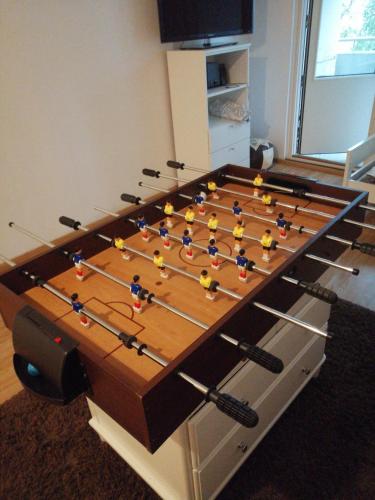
[(164, 332)]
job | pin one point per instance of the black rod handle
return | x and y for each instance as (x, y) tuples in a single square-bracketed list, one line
[(130, 198), (175, 164), (319, 292), (150, 172), (67, 221), (235, 409), (261, 357), (366, 248)]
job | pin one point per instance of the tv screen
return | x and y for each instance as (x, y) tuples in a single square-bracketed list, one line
[(182, 20)]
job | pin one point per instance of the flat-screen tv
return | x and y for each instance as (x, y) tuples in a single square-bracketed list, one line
[(182, 20)]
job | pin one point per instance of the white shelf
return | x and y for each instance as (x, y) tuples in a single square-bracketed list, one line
[(225, 89), (197, 137)]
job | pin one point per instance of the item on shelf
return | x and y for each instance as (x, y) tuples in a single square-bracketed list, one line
[(228, 109), (261, 153), (216, 75)]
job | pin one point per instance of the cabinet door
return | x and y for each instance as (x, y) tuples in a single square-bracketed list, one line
[(224, 133), (231, 154)]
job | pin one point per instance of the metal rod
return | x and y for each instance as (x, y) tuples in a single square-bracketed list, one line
[(221, 228), (299, 209), (296, 208), (117, 332), (228, 292), (332, 264), (201, 247), (154, 299), (258, 217), (292, 319), (365, 207), (7, 261), (308, 195), (188, 167), (327, 262), (360, 224), (104, 211), (31, 235)]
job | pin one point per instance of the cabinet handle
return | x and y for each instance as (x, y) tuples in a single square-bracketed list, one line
[(232, 149), (306, 371), (243, 447)]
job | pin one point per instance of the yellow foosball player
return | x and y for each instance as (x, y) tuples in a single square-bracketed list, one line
[(267, 201), (168, 210), (212, 187), (159, 263), (212, 224), (267, 243), (119, 243), (208, 284), (257, 182), (189, 219), (238, 231)]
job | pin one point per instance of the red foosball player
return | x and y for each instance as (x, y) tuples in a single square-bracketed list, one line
[(212, 224), (242, 261), (212, 187), (135, 288), (257, 182), (164, 235), (187, 241), (142, 226), (238, 231), (267, 244), (77, 308), (189, 218), (159, 263), (237, 210), (212, 252), (282, 225), (208, 284), (199, 199), (168, 210), (267, 201), (77, 258), (119, 243)]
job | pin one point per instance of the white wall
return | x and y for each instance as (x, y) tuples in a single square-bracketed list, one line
[(270, 67), (84, 107)]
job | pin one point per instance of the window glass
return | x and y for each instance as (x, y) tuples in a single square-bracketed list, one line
[(346, 44)]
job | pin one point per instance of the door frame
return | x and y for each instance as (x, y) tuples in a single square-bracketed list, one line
[(299, 59)]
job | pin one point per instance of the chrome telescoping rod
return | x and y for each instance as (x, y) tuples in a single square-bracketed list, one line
[(196, 245), (366, 248), (7, 261), (200, 221), (327, 262), (31, 235), (224, 402), (237, 296), (254, 353), (313, 289), (181, 166), (292, 319), (311, 195)]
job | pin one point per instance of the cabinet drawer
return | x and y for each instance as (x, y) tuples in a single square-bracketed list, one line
[(224, 133), (242, 441), (231, 154), (209, 426)]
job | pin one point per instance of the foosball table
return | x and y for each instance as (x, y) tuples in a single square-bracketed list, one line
[(191, 320)]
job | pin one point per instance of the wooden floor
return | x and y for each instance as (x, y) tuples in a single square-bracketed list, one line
[(355, 289)]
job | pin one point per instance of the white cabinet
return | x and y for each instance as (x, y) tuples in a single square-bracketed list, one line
[(201, 140), (201, 456)]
